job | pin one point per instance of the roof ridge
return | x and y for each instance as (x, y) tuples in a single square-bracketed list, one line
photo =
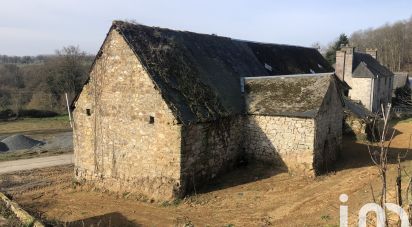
[(290, 76), (120, 22)]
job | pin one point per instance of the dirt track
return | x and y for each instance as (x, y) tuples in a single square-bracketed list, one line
[(35, 163), (252, 196)]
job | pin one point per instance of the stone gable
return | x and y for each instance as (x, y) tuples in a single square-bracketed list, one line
[(130, 135)]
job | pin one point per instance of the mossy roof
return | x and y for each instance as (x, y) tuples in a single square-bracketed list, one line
[(199, 75), (300, 95)]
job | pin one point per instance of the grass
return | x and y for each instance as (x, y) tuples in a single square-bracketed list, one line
[(174, 202), (408, 120), (35, 124)]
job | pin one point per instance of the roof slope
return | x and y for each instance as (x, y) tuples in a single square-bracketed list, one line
[(199, 75), (300, 96), (364, 65)]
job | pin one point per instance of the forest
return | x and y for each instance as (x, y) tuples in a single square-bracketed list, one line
[(37, 85), (393, 42)]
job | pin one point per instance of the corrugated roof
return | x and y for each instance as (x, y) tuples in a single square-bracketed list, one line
[(364, 65), (199, 75), (300, 96)]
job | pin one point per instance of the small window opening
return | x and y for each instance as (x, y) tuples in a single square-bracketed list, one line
[(88, 112), (151, 120)]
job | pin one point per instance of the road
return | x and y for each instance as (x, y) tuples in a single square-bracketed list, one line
[(35, 163)]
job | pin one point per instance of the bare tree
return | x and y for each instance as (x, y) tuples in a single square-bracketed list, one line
[(394, 42)]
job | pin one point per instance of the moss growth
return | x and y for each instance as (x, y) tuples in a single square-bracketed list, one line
[(11, 218), (288, 95)]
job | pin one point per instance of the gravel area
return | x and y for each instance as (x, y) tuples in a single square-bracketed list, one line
[(20, 142), (57, 142)]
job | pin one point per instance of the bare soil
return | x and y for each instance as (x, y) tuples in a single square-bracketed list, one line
[(254, 195)]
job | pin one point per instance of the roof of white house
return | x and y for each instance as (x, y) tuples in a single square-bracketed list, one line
[(364, 65)]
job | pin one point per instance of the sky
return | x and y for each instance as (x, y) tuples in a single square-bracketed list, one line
[(33, 27)]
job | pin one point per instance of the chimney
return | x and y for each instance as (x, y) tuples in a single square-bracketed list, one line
[(344, 62), (372, 52)]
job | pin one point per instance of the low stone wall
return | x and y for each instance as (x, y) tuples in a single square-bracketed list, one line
[(210, 149), (328, 137), (23, 216), (282, 141)]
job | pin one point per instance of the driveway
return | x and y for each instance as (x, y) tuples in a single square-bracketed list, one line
[(35, 163)]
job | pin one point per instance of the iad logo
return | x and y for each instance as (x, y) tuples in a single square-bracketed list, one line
[(372, 207)]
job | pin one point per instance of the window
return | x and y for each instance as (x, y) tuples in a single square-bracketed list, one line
[(151, 120), (88, 112)]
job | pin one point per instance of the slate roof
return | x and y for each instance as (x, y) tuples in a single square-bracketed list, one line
[(365, 66), (198, 75), (293, 95)]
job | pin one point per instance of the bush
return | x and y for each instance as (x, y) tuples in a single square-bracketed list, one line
[(6, 114), (37, 113), (32, 113)]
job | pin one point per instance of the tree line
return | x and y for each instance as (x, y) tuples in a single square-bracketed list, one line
[(40, 83), (393, 41)]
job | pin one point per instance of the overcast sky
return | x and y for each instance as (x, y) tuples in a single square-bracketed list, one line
[(32, 27)]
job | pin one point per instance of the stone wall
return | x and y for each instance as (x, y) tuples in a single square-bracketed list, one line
[(361, 91), (130, 142), (209, 149), (286, 142), (328, 136), (382, 92)]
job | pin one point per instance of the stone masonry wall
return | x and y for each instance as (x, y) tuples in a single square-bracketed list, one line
[(382, 93), (130, 142), (209, 149), (361, 91), (282, 141), (328, 137), (126, 139)]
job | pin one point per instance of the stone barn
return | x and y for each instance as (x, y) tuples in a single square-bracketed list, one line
[(294, 121), (165, 111)]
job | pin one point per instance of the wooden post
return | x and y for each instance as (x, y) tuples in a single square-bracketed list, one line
[(68, 110)]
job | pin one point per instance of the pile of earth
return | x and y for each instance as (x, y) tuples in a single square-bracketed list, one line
[(3, 147), (18, 142)]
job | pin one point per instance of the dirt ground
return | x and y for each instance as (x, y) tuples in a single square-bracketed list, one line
[(255, 195)]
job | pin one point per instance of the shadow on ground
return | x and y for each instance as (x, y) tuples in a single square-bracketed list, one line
[(356, 154), (242, 175), (109, 219)]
